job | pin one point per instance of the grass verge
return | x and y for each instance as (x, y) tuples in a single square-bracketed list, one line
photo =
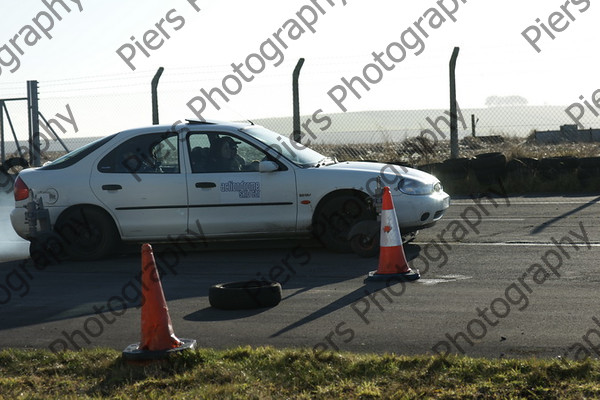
[(267, 373)]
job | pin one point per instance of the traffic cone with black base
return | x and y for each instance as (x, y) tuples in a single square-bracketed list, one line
[(392, 261), (158, 339)]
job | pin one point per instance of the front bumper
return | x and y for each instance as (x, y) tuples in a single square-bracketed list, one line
[(420, 211)]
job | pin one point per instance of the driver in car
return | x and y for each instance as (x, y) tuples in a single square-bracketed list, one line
[(225, 157)]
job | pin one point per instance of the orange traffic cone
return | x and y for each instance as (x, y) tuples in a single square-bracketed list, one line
[(392, 261), (158, 338)]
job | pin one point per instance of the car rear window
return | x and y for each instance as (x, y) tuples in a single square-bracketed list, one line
[(73, 157)]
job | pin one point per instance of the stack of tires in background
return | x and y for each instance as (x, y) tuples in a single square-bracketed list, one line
[(518, 175), (8, 172)]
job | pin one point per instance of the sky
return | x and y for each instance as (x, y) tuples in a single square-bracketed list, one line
[(197, 41)]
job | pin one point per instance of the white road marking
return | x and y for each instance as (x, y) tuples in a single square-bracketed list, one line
[(517, 203), (488, 219), (540, 244), (442, 279)]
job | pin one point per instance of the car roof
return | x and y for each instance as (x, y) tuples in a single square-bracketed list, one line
[(196, 124), (214, 122)]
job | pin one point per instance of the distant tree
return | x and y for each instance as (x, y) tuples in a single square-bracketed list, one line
[(499, 101)]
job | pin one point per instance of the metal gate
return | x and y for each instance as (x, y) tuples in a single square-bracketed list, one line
[(30, 154)]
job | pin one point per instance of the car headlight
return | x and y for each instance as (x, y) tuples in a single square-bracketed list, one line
[(412, 186)]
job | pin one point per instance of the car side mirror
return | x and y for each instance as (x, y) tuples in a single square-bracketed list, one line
[(267, 166)]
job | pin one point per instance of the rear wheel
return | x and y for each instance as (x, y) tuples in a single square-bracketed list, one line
[(337, 217), (87, 233)]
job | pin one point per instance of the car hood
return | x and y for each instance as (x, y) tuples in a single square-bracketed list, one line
[(380, 168)]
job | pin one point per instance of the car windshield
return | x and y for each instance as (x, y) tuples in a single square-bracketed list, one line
[(293, 151), (76, 155)]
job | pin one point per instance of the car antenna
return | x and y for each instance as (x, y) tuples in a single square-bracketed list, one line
[(251, 123)]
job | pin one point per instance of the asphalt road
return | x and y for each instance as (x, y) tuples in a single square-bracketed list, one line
[(502, 277)]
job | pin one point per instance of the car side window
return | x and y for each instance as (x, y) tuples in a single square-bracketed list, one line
[(146, 154), (218, 152)]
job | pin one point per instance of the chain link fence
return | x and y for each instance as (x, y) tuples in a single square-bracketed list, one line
[(417, 137), (81, 109)]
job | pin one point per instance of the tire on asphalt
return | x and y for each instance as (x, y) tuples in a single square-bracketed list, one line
[(244, 295), (87, 233), (337, 217)]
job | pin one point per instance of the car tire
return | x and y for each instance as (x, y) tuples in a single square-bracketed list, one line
[(454, 169), (15, 164), (87, 233), (489, 167), (488, 161), (550, 168), (364, 245), (588, 171), (337, 217), (244, 295), (364, 238)]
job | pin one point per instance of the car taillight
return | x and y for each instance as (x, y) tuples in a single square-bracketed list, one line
[(21, 190)]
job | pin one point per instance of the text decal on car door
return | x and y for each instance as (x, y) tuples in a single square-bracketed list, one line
[(245, 190)]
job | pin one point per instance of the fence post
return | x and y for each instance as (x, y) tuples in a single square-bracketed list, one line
[(473, 123), (2, 149), (154, 86), (34, 124), (296, 100), (453, 115)]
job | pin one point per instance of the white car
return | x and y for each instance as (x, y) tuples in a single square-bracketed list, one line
[(205, 180)]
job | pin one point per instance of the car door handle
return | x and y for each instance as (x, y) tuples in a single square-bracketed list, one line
[(112, 187), (204, 185)]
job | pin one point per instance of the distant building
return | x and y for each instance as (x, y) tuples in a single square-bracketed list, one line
[(568, 134)]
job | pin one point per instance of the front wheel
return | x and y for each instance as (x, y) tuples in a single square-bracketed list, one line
[(337, 217), (87, 233)]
